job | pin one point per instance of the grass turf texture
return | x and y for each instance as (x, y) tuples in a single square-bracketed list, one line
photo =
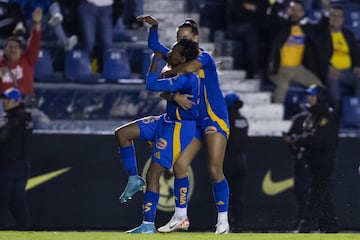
[(40, 235)]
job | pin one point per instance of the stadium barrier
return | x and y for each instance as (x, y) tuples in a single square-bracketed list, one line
[(76, 180)]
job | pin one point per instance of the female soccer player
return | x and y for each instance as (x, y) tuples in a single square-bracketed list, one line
[(213, 126), (170, 132)]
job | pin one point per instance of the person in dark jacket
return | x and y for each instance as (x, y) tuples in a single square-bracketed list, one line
[(301, 172), (246, 26), (341, 58), (235, 166), (15, 143), (319, 141), (294, 55)]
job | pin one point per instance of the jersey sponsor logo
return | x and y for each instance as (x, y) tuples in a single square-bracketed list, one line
[(272, 188), (161, 143), (167, 199), (210, 129), (183, 194), (41, 179)]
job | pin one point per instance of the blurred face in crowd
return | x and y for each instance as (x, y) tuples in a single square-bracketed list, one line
[(12, 50), (186, 33), (9, 103), (295, 11), (312, 99), (336, 19)]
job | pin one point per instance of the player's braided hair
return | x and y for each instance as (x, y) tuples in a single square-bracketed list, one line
[(190, 49), (191, 24)]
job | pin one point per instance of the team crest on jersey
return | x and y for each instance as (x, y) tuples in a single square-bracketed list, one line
[(210, 129), (161, 143)]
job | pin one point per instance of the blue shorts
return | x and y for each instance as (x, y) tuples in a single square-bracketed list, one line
[(209, 126), (170, 137)]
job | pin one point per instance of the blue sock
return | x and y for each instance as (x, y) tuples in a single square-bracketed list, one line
[(128, 157), (181, 191), (221, 195), (151, 200)]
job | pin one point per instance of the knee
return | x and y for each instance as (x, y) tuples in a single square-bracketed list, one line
[(121, 137), (180, 171), (216, 172)]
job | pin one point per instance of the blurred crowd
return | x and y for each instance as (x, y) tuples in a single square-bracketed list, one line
[(285, 43)]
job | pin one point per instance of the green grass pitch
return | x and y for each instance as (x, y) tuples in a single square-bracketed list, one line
[(64, 235)]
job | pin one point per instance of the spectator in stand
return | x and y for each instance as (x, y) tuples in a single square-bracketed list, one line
[(246, 25), (132, 9), (10, 17), (341, 58), (295, 52), (51, 21), (15, 143), (235, 166), (311, 5), (95, 19), (17, 66)]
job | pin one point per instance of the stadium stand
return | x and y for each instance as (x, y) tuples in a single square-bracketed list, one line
[(44, 69), (78, 68), (116, 65)]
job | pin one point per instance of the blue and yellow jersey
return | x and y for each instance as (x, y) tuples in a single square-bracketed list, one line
[(212, 102), (184, 84), (154, 44), (212, 108)]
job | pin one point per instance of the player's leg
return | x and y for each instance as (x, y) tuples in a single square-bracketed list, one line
[(216, 147), (139, 129), (179, 220), (151, 199)]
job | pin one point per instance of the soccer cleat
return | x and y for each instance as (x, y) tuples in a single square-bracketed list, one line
[(222, 228), (144, 228), (135, 184), (175, 224)]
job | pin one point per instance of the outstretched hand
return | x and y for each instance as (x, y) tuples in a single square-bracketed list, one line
[(148, 19), (37, 15)]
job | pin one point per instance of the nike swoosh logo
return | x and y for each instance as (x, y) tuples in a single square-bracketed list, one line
[(272, 188), (36, 181)]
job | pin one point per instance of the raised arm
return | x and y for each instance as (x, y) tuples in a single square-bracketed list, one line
[(153, 39), (32, 51), (171, 84)]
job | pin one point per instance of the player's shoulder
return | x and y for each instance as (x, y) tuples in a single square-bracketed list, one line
[(204, 52)]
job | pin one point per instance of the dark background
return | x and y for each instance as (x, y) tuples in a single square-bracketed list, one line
[(86, 197)]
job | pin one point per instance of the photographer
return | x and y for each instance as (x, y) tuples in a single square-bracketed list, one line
[(318, 141)]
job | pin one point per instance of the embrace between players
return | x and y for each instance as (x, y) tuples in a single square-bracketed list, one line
[(196, 113)]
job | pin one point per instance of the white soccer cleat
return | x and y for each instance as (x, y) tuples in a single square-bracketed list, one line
[(222, 228), (175, 224)]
